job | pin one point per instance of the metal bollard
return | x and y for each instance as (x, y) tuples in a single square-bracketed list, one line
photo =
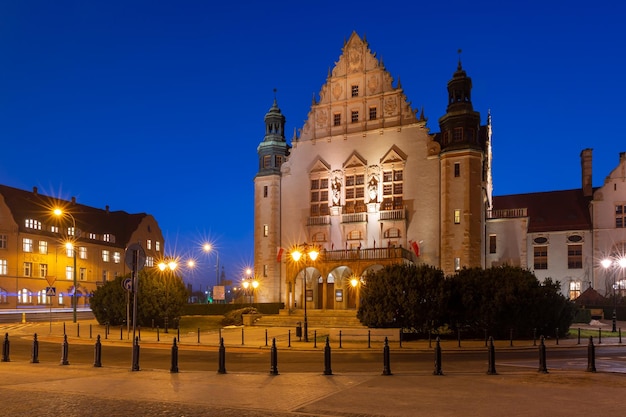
[(64, 351), (90, 331), (288, 338), (265, 337), (34, 358), (121, 332), (274, 358), (135, 365), (578, 343), (492, 358), (340, 339), (600, 336), (511, 337), (63, 328), (315, 339), (178, 333), (221, 365), (369, 339), (459, 335), (5, 348), (327, 369), (242, 337), (198, 335), (437, 370), (386, 367), (542, 356), (97, 353), (174, 367), (591, 356), (400, 337), (556, 335), (158, 336), (77, 329)]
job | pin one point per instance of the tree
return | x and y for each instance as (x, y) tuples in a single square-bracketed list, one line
[(402, 295), (161, 295)]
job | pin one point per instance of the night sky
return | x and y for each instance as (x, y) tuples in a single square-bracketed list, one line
[(158, 106)]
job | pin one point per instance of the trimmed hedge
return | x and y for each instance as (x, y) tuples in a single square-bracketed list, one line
[(222, 309)]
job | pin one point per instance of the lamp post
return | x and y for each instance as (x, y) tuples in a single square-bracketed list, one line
[(307, 252), (250, 284), (171, 267), (69, 245), (208, 248), (354, 282), (606, 264)]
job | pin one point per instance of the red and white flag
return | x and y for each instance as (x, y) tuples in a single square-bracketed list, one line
[(415, 246), (279, 254)]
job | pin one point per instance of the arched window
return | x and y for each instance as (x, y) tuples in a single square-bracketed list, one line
[(24, 296), (3, 296)]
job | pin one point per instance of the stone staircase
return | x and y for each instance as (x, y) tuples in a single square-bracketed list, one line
[(315, 318)]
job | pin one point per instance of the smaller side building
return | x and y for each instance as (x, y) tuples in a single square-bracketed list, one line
[(42, 253)]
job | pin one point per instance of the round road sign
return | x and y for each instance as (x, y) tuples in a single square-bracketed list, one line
[(141, 256)]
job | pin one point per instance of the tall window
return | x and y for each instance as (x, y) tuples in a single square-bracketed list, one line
[(43, 270), (105, 256), (82, 274), (620, 215), (336, 119), (27, 245), (157, 245), (69, 251), (28, 269), (82, 252), (541, 257), (3, 267), (69, 272), (393, 188), (266, 230), (457, 216), (457, 169), (106, 237), (3, 241), (117, 257), (265, 191), (355, 116), (267, 161), (319, 197), (355, 91), (492, 243), (574, 289), (373, 114), (574, 256), (24, 296), (43, 247), (355, 193), (149, 244)]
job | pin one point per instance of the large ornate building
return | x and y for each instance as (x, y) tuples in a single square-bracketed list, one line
[(366, 183), (37, 266)]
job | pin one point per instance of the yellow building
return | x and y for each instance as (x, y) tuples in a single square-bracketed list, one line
[(366, 183), (42, 254)]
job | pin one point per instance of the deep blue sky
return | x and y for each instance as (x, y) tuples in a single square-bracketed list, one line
[(157, 106)]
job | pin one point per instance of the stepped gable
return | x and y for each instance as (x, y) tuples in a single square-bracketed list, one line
[(358, 66)]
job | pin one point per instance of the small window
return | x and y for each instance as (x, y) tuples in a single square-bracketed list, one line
[(574, 256), (28, 269), (457, 216), (117, 257), (105, 256), (105, 275), (149, 244), (492, 243), (373, 113), (265, 191), (157, 245), (265, 269), (267, 161), (457, 169), (574, 289), (3, 241), (43, 247), (337, 119), (82, 274), (355, 116), (457, 264), (266, 230), (541, 240), (458, 134), (27, 245), (43, 270), (3, 267), (82, 252), (355, 91), (541, 257)]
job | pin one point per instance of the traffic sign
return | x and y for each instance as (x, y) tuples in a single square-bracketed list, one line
[(51, 291), (141, 256), (127, 284)]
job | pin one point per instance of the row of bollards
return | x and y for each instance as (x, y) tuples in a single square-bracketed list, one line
[(491, 370)]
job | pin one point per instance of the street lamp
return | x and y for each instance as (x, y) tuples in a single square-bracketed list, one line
[(307, 252), (354, 282), (69, 245), (619, 263), (250, 284), (208, 248), (171, 266)]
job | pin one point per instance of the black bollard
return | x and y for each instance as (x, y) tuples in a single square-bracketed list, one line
[(274, 358), (386, 367), (600, 336), (556, 335), (511, 337), (34, 358), (135, 365), (221, 365), (90, 331), (542, 356), (178, 333), (5, 348), (77, 329), (242, 337), (492, 358), (63, 328), (535, 337), (591, 356), (400, 336), (315, 339), (121, 332), (327, 369), (174, 367), (437, 370), (64, 351), (97, 353), (340, 340), (198, 335), (288, 338), (158, 337), (459, 335), (369, 339), (265, 337), (578, 336)]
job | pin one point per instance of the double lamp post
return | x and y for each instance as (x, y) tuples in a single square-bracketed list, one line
[(304, 253)]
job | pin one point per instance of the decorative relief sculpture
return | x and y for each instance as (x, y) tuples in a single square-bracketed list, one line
[(336, 189)]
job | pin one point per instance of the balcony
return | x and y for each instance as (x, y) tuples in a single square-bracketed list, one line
[(354, 218), (507, 213), (395, 254), (318, 221), (393, 214)]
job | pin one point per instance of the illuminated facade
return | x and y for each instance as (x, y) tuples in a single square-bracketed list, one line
[(34, 255), (368, 184)]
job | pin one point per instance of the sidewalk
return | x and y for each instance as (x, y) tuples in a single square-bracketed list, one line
[(76, 390)]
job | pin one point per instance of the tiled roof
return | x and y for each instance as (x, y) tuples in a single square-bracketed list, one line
[(33, 205), (551, 210)]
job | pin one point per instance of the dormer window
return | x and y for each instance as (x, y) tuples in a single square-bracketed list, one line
[(32, 224)]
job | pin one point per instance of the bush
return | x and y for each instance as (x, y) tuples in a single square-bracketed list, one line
[(235, 317)]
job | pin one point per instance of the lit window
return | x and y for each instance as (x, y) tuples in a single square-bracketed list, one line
[(265, 268), (43, 247), (69, 272), (117, 257), (336, 119), (148, 244), (457, 264), (54, 229), (27, 245), (43, 270), (28, 269), (106, 237), (69, 251), (3, 267), (42, 297), (266, 230), (93, 236), (105, 256), (319, 197), (3, 296), (32, 224), (3, 241), (457, 216), (157, 245), (149, 261), (373, 113), (71, 231), (355, 91), (24, 296), (541, 257), (355, 116), (82, 252), (574, 289)]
